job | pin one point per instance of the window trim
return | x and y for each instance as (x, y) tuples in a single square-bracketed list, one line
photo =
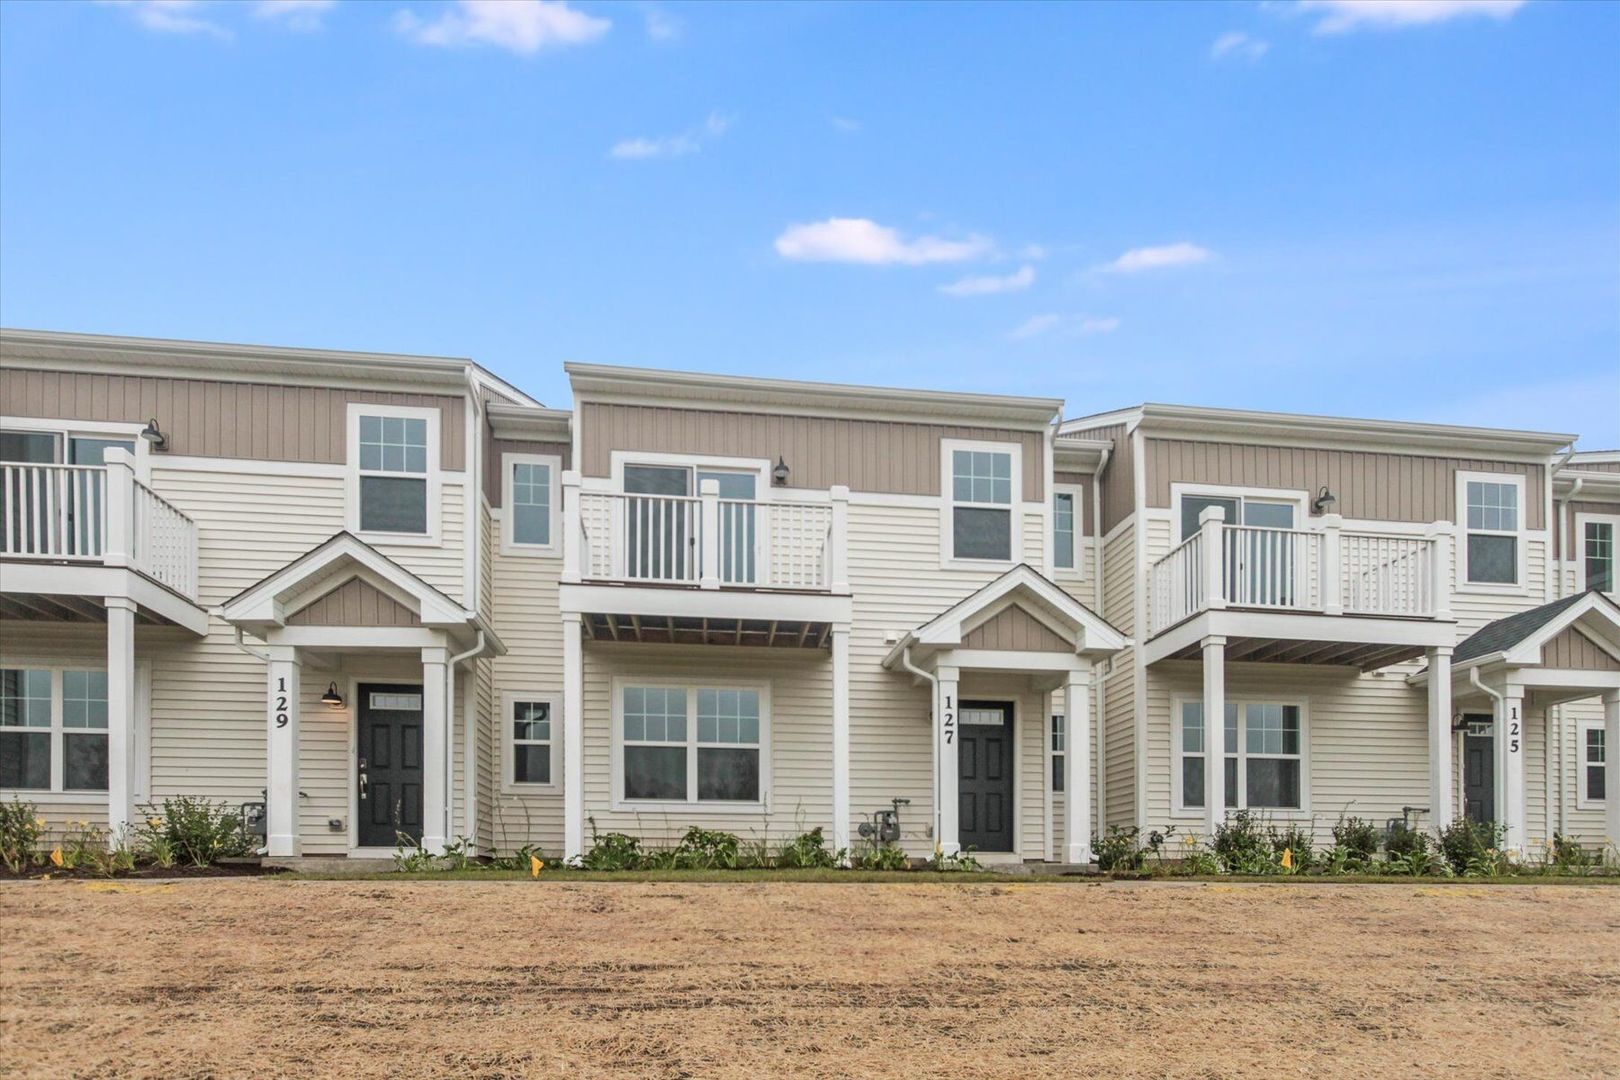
[(510, 698), (1520, 535), (58, 732), (1581, 521), (1583, 801), (512, 546), (1177, 809), (691, 803), (948, 558), (1077, 572), (353, 473)]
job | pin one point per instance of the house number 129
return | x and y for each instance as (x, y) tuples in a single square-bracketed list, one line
[(281, 702)]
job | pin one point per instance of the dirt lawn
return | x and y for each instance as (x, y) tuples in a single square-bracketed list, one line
[(228, 978)]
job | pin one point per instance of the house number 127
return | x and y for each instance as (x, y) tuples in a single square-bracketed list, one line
[(948, 720)]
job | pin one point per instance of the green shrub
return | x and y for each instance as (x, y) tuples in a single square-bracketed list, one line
[(1297, 842), (882, 857), (1568, 855), (961, 861), (1243, 845), (707, 849), (519, 859), (1121, 849), (196, 830), (1358, 836), (614, 851), (808, 850), (1403, 841), (410, 857), (20, 829), (1472, 847)]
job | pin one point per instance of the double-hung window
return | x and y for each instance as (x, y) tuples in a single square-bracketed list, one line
[(393, 467), (1594, 778), (1492, 511), (53, 729), (692, 743), (1264, 766), (1595, 536), (1066, 517), (1057, 753), (531, 500), (530, 739), (982, 483)]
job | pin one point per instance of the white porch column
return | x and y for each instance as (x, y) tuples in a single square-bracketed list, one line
[(1332, 573), (947, 729), (1611, 777), (1214, 733), (572, 538), (281, 765), (435, 742), (709, 534), (573, 736), (840, 737), (1440, 736), (1509, 747), (1077, 768), (120, 714)]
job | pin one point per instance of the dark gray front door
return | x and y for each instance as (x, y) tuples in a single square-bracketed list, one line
[(388, 735), (985, 794), (1479, 774)]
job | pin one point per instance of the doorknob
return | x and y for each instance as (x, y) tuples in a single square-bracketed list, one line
[(362, 778)]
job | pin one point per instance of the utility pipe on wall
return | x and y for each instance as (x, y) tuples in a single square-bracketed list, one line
[(450, 745), (933, 684)]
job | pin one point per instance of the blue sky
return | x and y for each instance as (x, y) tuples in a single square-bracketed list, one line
[(1380, 210)]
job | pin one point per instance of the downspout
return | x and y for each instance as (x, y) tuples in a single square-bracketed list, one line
[(450, 744), (1562, 516), (1099, 694), (933, 744), (245, 647)]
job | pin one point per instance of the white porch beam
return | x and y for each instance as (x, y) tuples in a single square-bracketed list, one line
[(840, 738), (1611, 778), (947, 732), (1077, 768), (436, 785), (1440, 737), (281, 757), (573, 736), (120, 715), (1214, 734)]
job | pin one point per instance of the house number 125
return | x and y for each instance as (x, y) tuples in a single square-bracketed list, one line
[(281, 702), (1513, 732)]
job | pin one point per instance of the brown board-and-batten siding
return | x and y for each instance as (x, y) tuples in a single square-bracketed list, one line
[(495, 448), (215, 418), (1016, 630), (355, 603), (897, 457), (1369, 486), (1118, 487), (1574, 651)]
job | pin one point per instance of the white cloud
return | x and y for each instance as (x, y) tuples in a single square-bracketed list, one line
[(660, 24), (1238, 46), (1070, 325), (171, 16), (294, 14), (845, 124), (985, 286), (1344, 16), (520, 26), (642, 147), (1156, 258), (861, 240)]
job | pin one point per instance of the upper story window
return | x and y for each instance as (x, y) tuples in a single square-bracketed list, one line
[(393, 470), (53, 729), (1595, 537), (532, 498), (983, 483), (1493, 517), (1065, 528)]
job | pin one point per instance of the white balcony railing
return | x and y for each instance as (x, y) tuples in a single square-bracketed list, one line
[(97, 514), (703, 542), (1326, 570)]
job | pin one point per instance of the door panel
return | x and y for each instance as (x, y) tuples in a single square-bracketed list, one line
[(738, 526), (658, 527), (389, 762), (985, 776), (1479, 777)]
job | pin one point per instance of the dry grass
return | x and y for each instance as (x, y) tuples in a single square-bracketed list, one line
[(216, 978)]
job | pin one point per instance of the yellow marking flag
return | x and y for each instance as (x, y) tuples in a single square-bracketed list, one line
[(56, 855), (535, 865)]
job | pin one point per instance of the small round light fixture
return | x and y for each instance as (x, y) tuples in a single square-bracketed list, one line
[(153, 435), (1324, 502), (779, 475), (332, 697)]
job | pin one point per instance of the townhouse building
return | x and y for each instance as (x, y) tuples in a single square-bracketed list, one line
[(396, 596)]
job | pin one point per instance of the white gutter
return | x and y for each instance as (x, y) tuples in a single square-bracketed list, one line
[(1561, 515), (449, 746), (1099, 694), (245, 647), (933, 738)]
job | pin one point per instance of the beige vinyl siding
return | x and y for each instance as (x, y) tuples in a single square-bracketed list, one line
[(1585, 824), (355, 603), (1369, 486), (800, 733), (495, 449), (1119, 687), (526, 615), (210, 418), (883, 456)]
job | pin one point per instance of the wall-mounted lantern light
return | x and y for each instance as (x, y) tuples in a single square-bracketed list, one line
[(332, 697), (153, 435), (779, 475), (1324, 503)]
